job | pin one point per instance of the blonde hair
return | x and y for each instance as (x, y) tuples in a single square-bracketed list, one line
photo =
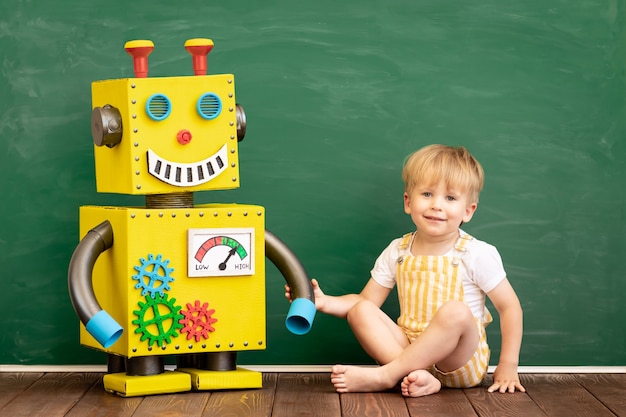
[(453, 165)]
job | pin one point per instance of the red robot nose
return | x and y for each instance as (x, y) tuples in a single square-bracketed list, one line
[(183, 136)]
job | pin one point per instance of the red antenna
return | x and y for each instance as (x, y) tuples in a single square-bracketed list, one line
[(139, 50), (199, 49)]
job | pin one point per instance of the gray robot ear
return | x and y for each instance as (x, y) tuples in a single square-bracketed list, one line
[(241, 122), (106, 126)]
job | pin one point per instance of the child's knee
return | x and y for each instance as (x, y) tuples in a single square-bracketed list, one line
[(362, 310), (456, 312)]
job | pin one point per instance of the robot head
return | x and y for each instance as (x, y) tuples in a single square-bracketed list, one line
[(167, 134)]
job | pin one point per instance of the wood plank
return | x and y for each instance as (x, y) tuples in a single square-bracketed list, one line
[(561, 395), (99, 403), (448, 402), (249, 403), (387, 404), (13, 384), (490, 404), (185, 404), (53, 394), (610, 389), (307, 394)]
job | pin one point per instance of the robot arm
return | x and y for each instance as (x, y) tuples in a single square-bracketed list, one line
[(302, 311), (97, 321)]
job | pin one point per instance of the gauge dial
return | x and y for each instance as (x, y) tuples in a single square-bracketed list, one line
[(221, 252)]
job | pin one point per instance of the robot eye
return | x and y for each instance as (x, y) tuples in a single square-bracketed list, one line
[(158, 107), (209, 106)]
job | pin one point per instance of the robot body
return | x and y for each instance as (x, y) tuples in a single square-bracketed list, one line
[(168, 261)]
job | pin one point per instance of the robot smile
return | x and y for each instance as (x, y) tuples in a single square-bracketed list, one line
[(187, 174)]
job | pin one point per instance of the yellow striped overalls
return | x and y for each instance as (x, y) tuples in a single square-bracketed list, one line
[(425, 283)]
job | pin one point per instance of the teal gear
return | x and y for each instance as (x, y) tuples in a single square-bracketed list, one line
[(153, 276)]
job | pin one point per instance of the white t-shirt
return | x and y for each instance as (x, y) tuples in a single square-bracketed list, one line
[(481, 270)]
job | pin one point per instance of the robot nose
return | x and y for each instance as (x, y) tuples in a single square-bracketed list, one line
[(183, 136)]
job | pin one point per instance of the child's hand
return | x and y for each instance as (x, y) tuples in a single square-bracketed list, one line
[(317, 292), (288, 293), (506, 379)]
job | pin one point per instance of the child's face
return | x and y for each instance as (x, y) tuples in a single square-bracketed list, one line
[(438, 210)]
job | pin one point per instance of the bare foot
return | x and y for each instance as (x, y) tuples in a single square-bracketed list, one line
[(358, 379), (419, 383)]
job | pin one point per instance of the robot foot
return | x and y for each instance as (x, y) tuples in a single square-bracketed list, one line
[(239, 378), (134, 386)]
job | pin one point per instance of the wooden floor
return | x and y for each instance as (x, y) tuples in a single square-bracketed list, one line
[(311, 394)]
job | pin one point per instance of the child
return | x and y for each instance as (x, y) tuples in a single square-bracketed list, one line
[(442, 275)]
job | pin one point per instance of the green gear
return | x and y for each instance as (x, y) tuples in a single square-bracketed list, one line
[(166, 323)]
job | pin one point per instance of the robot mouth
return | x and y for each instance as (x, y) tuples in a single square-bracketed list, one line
[(187, 175)]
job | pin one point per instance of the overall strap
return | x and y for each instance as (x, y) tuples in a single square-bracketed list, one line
[(406, 240), (460, 248), (403, 247)]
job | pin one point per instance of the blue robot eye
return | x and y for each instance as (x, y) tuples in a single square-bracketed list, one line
[(158, 107), (209, 106)]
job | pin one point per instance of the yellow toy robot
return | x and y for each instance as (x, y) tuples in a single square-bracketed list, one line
[(174, 278)]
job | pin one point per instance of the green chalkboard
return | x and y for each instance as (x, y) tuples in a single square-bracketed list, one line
[(337, 94)]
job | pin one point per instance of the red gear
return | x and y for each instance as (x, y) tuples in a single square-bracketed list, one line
[(197, 321)]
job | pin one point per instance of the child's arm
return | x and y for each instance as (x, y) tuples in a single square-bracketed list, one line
[(339, 306), (505, 377)]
